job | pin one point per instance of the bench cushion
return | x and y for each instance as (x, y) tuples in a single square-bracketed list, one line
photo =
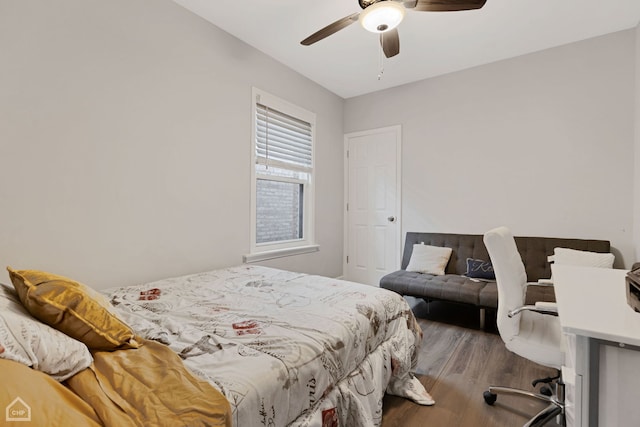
[(456, 288), (450, 287)]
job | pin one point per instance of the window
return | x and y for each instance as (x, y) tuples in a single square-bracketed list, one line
[(282, 178)]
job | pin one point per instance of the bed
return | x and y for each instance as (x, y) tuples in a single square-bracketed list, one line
[(268, 347)]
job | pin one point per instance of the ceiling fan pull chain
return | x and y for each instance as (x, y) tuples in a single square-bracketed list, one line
[(381, 58)]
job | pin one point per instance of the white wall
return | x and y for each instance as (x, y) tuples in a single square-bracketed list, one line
[(541, 143), (125, 142)]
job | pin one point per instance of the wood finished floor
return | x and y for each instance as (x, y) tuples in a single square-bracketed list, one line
[(457, 363)]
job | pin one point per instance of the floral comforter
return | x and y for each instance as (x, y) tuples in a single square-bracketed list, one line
[(284, 348)]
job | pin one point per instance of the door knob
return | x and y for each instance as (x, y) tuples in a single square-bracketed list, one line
[(391, 219)]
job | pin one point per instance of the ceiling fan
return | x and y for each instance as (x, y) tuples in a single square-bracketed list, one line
[(384, 16)]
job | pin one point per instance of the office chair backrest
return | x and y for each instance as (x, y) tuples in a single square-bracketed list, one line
[(511, 278)]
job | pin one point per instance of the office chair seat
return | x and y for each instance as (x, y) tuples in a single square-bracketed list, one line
[(540, 339)]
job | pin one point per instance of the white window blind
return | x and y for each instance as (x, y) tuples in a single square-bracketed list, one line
[(282, 140)]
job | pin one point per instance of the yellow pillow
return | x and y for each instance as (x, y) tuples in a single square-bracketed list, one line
[(72, 308)]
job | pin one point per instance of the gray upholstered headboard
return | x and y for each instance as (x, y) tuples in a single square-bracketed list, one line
[(533, 250)]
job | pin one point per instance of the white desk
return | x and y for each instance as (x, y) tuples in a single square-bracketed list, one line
[(602, 331)]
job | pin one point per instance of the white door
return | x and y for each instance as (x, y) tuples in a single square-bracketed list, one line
[(372, 193)]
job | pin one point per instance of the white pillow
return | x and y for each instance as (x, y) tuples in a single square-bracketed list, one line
[(568, 256), (28, 341), (429, 259)]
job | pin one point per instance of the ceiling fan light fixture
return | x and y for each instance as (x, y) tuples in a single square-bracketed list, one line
[(382, 16)]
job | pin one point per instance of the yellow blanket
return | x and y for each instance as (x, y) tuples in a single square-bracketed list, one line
[(149, 386)]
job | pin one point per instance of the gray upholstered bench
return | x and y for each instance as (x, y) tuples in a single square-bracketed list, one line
[(453, 286)]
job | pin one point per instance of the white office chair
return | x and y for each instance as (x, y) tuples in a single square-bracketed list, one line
[(532, 332)]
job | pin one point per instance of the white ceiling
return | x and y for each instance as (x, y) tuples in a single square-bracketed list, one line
[(431, 43)]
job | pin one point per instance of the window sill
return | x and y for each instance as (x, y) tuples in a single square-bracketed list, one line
[(279, 253)]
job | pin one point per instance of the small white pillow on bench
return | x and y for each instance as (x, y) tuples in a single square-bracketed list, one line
[(568, 256), (429, 259)]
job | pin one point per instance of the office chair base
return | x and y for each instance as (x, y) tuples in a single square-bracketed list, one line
[(489, 398), (554, 409)]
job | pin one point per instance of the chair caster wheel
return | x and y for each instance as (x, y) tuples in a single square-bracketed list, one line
[(546, 391), (489, 397)]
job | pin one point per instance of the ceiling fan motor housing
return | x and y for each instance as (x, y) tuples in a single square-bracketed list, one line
[(366, 3), (382, 16)]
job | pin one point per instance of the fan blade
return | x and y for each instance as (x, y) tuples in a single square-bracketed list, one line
[(448, 5), (390, 43), (330, 29)]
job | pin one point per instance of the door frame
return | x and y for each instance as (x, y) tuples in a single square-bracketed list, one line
[(398, 131)]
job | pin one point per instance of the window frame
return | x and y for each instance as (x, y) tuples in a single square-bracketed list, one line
[(268, 250)]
